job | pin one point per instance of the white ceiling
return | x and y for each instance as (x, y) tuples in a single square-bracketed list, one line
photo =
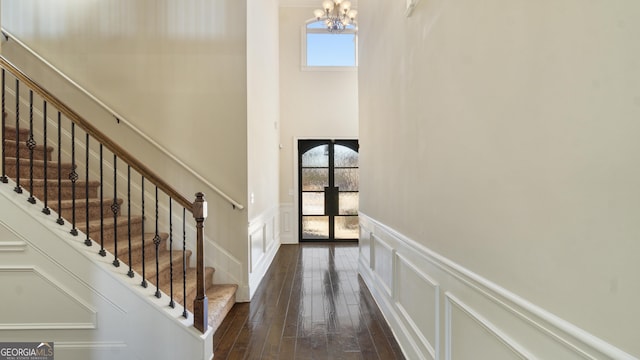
[(308, 3)]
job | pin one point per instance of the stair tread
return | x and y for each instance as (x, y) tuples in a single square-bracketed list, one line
[(178, 285), (136, 242), (108, 221), (220, 292), (10, 160), (12, 143), (81, 201), (221, 298), (64, 182), (163, 261)]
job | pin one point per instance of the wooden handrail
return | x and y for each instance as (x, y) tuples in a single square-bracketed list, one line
[(98, 135)]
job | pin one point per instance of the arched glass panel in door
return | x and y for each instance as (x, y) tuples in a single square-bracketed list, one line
[(328, 195)]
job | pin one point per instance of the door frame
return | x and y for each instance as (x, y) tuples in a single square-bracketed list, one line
[(296, 215), (290, 225)]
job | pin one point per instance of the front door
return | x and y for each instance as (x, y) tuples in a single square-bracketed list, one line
[(328, 190)]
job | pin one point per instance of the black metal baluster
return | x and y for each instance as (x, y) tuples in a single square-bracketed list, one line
[(144, 278), (102, 251), (45, 209), (184, 263), (115, 208), (87, 241), (4, 178), (156, 241), (73, 176), (130, 273), (60, 220), (18, 189), (171, 302), (31, 145)]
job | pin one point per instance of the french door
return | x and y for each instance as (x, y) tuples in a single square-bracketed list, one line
[(328, 190)]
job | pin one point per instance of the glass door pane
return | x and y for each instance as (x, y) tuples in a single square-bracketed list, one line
[(328, 189)]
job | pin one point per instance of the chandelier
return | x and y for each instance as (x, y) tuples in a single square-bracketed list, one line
[(336, 14)]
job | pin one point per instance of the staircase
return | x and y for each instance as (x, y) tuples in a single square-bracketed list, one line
[(110, 232)]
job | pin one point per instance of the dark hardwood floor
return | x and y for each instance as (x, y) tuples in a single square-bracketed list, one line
[(311, 305)]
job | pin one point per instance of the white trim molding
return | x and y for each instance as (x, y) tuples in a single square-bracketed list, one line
[(263, 244), (451, 303), (480, 317)]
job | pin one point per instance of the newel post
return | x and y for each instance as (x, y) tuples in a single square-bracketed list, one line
[(200, 304)]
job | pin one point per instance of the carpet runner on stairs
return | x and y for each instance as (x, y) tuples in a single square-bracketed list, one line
[(221, 297)]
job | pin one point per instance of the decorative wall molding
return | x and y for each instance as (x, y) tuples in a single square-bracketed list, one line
[(288, 231), (452, 302), (90, 345), (409, 312), (383, 263), (32, 281), (263, 244), (526, 329), (16, 244), (12, 246)]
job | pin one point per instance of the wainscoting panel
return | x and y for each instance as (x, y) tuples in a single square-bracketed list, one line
[(440, 310), (288, 229), (471, 336), (419, 305), (365, 242), (264, 242), (90, 349), (383, 263), (25, 308), (256, 245)]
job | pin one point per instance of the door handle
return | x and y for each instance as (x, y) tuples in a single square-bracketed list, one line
[(331, 200)]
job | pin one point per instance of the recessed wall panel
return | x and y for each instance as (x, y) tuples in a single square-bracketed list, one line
[(471, 336), (383, 262), (417, 298)]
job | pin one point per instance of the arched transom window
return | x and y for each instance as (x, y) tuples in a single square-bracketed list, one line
[(324, 49)]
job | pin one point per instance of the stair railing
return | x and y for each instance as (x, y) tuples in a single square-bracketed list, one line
[(83, 202)]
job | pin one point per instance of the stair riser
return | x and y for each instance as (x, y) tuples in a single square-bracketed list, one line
[(136, 253), (38, 152), (38, 171), (52, 191), (165, 270), (10, 132), (149, 250), (192, 292), (109, 231), (81, 213), (165, 274)]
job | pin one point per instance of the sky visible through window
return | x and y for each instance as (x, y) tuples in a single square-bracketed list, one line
[(330, 49)]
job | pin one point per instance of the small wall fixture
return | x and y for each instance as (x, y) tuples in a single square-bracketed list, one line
[(336, 14), (411, 4)]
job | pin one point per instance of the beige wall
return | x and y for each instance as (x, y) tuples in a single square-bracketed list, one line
[(503, 135), (313, 104), (174, 69), (263, 105)]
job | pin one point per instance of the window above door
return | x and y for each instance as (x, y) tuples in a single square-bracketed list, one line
[(324, 50)]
